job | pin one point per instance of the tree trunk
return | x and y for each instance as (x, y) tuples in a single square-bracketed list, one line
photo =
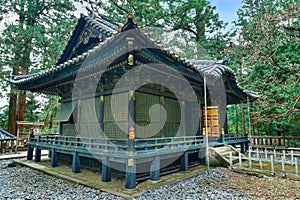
[(236, 120), (200, 30), (12, 111), (21, 110), (51, 121), (243, 119)]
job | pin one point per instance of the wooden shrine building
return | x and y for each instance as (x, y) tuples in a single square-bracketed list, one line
[(131, 106)]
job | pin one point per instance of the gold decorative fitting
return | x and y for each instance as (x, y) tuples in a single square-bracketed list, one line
[(119, 29), (130, 14), (131, 94), (130, 59), (130, 162), (102, 98), (131, 133)]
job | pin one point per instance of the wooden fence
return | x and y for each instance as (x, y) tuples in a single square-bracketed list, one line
[(276, 141), (273, 161), (7, 144)]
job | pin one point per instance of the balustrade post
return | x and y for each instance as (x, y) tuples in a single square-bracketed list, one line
[(155, 169), (184, 162), (29, 152), (37, 157), (54, 158), (75, 163), (130, 174), (106, 170)]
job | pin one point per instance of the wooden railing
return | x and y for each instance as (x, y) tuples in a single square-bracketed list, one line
[(139, 145), (79, 143), (235, 138), (276, 141), (146, 144), (7, 144)]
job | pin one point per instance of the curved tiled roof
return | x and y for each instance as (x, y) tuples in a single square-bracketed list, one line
[(211, 67), (5, 135), (217, 68)]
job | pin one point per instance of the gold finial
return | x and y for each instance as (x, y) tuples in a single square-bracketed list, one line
[(130, 14), (130, 59)]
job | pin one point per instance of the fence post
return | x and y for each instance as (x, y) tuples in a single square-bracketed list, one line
[(283, 155), (282, 163), (260, 163), (257, 153), (249, 159), (272, 164), (230, 159), (292, 157), (266, 154), (240, 160), (274, 154), (296, 166)]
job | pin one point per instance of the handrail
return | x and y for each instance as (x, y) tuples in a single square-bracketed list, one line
[(140, 144)]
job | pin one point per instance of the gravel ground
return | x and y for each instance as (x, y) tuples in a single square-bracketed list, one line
[(17, 182)]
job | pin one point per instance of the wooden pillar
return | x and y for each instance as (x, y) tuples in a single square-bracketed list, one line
[(60, 130), (18, 137), (75, 163), (236, 120), (101, 114), (131, 110), (78, 116), (155, 169), (243, 147), (184, 162), (162, 102), (243, 119), (130, 174), (131, 122), (183, 118), (106, 170), (201, 156), (37, 157), (246, 146), (54, 158), (226, 123), (29, 152)]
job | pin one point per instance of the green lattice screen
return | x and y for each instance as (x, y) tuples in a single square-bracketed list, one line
[(172, 108), (89, 111), (116, 129), (143, 120)]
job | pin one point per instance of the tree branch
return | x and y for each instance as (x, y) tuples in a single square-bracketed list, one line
[(121, 8)]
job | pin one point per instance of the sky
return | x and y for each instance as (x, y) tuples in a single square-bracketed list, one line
[(226, 9)]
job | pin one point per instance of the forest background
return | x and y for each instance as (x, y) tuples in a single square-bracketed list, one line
[(262, 46)]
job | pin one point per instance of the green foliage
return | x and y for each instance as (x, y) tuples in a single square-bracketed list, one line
[(267, 60), (183, 23), (34, 35)]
